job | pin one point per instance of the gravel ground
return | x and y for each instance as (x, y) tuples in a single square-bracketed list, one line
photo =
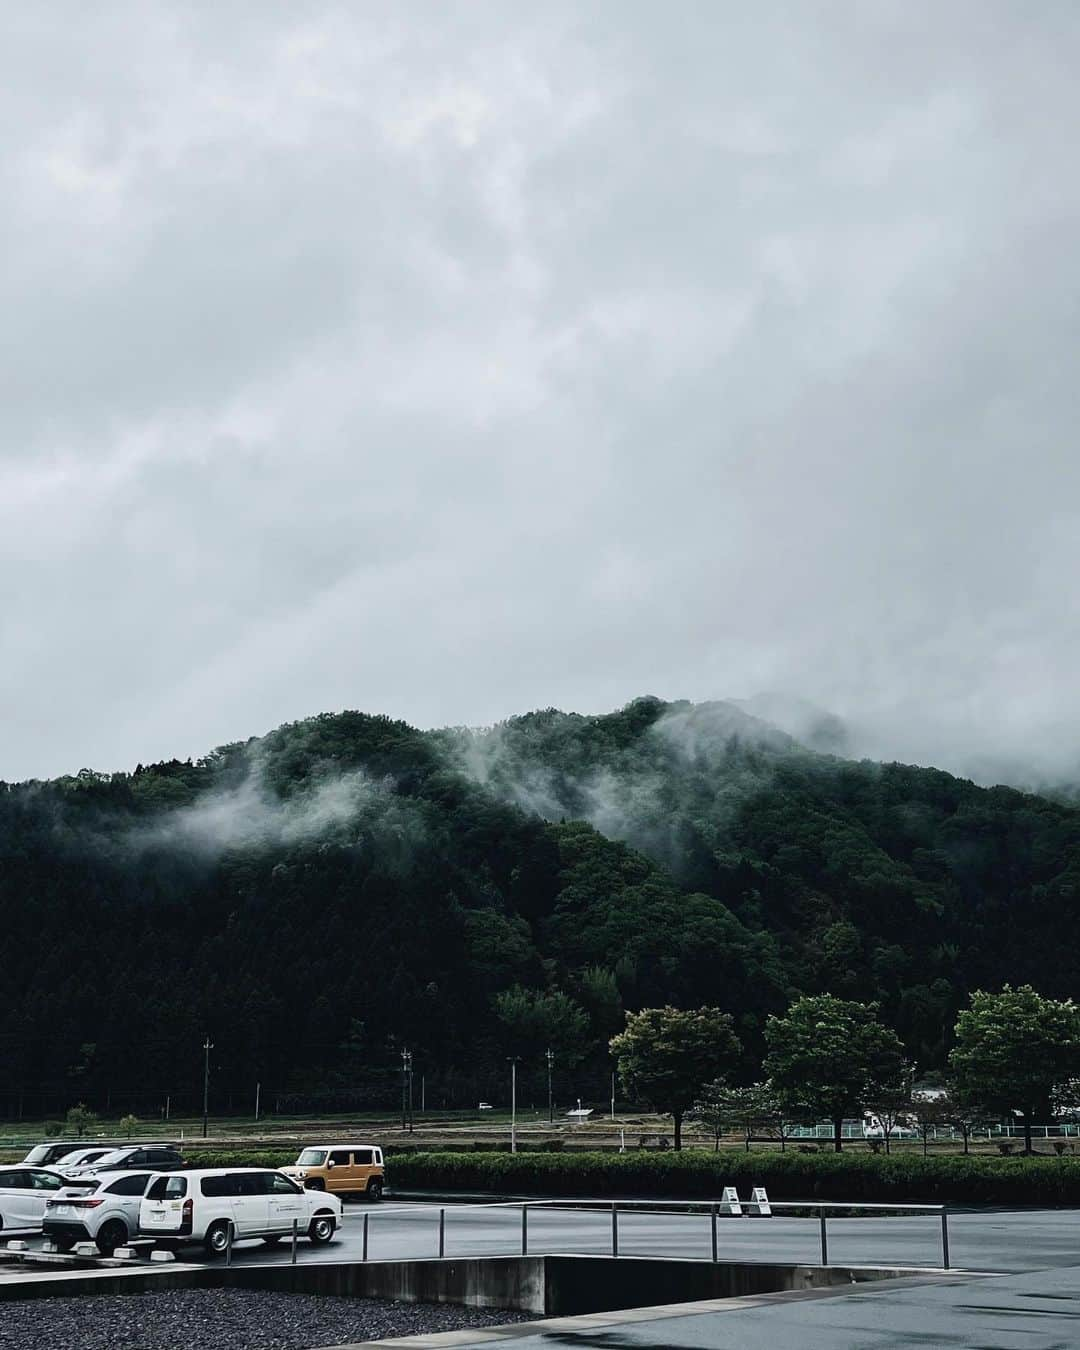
[(225, 1319)]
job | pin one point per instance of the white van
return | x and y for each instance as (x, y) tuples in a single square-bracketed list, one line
[(205, 1205)]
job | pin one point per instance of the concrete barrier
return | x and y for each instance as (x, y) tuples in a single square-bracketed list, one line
[(548, 1285)]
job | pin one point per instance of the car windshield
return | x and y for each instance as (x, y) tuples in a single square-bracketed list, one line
[(117, 1155), (312, 1157), (38, 1154)]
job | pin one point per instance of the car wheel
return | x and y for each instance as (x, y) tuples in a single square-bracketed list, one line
[(273, 1239), (216, 1240), (374, 1190), (110, 1236), (64, 1244), (321, 1229)]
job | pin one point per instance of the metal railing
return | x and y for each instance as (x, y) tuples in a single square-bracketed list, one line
[(715, 1210)]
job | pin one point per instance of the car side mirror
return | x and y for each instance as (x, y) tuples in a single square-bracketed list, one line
[(331, 1163)]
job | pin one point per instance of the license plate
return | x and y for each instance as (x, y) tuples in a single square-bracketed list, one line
[(63, 1211)]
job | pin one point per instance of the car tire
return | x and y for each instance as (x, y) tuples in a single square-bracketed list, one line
[(321, 1229), (63, 1244), (216, 1241), (110, 1236), (374, 1191)]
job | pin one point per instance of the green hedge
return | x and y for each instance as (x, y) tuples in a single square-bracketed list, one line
[(786, 1176), (220, 1157)]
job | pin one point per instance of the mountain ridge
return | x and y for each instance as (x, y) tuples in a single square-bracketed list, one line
[(347, 884)]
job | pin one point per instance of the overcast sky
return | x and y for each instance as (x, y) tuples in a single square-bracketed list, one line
[(449, 360)]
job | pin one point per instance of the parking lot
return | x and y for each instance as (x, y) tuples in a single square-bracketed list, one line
[(1014, 1240)]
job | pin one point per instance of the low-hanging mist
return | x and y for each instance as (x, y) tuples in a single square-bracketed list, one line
[(349, 886)]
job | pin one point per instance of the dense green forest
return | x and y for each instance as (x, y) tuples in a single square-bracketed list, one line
[(323, 897)]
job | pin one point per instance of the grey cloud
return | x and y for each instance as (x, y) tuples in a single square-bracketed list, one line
[(451, 361)]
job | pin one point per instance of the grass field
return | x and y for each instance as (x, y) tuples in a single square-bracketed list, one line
[(453, 1130)]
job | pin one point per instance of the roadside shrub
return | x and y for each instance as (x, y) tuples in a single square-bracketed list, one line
[(220, 1157), (972, 1180)]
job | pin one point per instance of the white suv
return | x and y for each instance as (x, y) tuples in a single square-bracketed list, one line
[(102, 1209), (249, 1202)]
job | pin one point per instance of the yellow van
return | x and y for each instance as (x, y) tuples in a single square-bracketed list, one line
[(342, 1169)]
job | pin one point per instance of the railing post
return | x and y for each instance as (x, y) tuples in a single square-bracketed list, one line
[(228, 1243), (614, 1228), (824, 1237), (714, 1248), (295, 1233), (944, 1238), (524, 1230), (442, 1232), (366, 1217)]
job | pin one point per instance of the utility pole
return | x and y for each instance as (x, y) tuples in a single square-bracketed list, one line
[(513, 1101), (551, 1100), (208, 1045), (613, 1098), (406, 1087), (258, 1089), (410, 1093)]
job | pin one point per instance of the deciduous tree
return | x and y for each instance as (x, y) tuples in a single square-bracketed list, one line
[(665, 1056), (1014, 1049), (828, 1057)]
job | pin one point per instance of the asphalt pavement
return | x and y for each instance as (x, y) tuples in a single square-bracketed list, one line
[(1003, 1241), (1035, 1311), (1026, 1293)]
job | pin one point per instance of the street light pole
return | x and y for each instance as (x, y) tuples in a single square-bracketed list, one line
[(208, 1045), (513, 1101), (406, 1083), (551, 1100)]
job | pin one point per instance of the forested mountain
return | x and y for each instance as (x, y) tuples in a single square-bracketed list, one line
[(320, 898)]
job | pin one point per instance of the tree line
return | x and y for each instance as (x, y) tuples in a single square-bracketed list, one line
[(827, 1058)]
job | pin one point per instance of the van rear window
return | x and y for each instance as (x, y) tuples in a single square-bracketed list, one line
[(168, 1188)]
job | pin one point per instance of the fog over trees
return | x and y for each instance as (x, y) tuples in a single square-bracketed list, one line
[(322, 897)]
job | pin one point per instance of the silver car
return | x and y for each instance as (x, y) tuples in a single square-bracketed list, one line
[(101, 1209)]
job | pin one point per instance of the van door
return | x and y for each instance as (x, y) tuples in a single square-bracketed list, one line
[(286, 1203), (339, 1171), (162, 1209), (364, 1159), (251, 1204)]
